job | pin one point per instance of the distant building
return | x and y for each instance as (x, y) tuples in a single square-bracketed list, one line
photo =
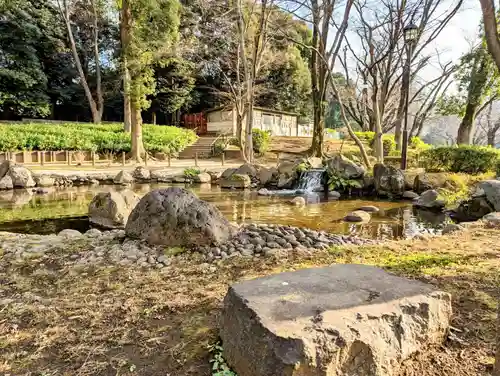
[(222, 120)]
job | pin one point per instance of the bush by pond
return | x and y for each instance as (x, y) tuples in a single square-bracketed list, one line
[(90, 137), (467, 159), (261, 140)]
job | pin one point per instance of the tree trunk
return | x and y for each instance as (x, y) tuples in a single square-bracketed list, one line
[(401, 109), (125, 26), (490, 30), (378, 143), (153, 118), (137, 145), (491, 137), (100, 98), (319, 125), (466, 128), (96, 118)]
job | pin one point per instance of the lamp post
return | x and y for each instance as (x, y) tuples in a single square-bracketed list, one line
[(410, 37)]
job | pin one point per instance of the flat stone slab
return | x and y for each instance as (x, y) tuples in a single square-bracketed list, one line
[(342, 320)]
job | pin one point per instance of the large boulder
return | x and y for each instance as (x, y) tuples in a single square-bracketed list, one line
[(267, 176), (344, 168), (287, 173), (161, 176), (492, 219), (6, 182), (358, 216), (339, 320), (429, 200), (202, 177), (141, 173), (176, 217), (21, 177), (425, 181), (471, 210), (123, 178), (389, 180), (44, 180), (490, 189), (236, 181), (5, 167), (247, 169), (111, 209)]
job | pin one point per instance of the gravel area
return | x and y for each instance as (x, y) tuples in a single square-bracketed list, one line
[(112, 247)]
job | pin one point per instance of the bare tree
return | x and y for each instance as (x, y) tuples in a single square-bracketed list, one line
[(488, 126), (66, 8), (379, 29), (327, 38)]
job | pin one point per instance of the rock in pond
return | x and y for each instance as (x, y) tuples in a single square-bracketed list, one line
[(236, 181), (44, 181), (357, 216), (6, 182), (267, 175), (69, 233), (410, 195), (203, 177), (369, 209), (333, 195), (142, 174), (345, 168), (364, 322), (124, 178), (389, 180), (298, 201), (111, 209), (264, 192), (21, 177), (429, 200), (176, 217)]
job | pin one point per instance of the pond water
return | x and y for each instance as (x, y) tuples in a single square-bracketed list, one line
[(60, 208)]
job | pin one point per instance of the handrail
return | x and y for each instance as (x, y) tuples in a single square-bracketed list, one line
[(221, 135)]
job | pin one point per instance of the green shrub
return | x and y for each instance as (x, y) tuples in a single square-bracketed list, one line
[(365, 136), (388, 142), (103, 138), (191, 172), (260, 140), (497, 169), (419, 145), (467, 159)]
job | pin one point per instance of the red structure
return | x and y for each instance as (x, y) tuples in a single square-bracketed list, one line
[(197, 122)]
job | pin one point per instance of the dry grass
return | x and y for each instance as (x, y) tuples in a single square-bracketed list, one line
[(68, 321)]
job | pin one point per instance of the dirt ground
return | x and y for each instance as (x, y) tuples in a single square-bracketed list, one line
[(56, 320)]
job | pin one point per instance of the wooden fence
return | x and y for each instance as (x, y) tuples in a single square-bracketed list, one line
[(62, 157)]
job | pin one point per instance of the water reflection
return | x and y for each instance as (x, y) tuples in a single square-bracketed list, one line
[(28, 212)]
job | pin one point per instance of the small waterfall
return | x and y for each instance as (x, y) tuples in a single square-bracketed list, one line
[(312, 180)]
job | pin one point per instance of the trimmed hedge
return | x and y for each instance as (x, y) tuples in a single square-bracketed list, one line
[(91, 137), (467, 159)]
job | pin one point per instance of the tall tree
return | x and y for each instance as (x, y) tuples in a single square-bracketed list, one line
[(125, 29), (31, 46), (67, 9), (491, 30), (479, 85), (152, 32)]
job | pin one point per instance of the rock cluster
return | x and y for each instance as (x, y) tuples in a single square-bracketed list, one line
[(93, 247), (264, 240), (484, 200)]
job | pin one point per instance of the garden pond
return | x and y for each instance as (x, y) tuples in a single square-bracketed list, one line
[(24, 211)]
